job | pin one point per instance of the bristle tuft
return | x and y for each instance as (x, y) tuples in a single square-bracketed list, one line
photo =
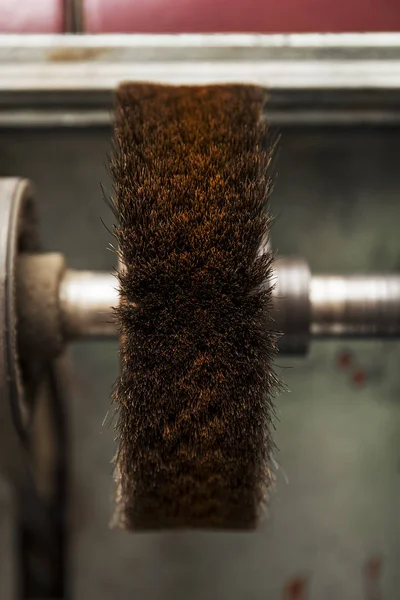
[(197, 343)]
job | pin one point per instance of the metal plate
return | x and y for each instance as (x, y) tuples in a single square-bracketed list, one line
[(32, 428), (17, 233)]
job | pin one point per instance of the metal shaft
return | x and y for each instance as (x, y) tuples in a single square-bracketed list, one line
[(305, 307), (355, 306), (87, 300)]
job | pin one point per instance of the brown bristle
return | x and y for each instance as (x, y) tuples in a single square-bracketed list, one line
[(194, 395)]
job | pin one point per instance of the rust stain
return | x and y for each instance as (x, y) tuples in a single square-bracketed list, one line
[(345, 360), (372, 578), (75, 54), (360, 377), (295, 589)]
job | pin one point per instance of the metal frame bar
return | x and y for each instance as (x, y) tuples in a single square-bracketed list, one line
[(311, 78), (128, 47)]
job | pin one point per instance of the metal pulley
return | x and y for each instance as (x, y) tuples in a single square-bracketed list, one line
[(32, 425)]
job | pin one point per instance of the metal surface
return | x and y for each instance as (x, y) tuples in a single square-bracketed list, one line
[(69, 74), (32, 434), (83, 117), (8, 562), (39, 330), (16, 233), (355, 306), (292, 304), (41, 49), (87, 299), (311, 78)]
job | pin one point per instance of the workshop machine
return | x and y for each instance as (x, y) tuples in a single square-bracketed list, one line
[(335, 100)]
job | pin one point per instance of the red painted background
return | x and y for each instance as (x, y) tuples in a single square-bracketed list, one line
[(262, 16), (173, 16), (31, 16)]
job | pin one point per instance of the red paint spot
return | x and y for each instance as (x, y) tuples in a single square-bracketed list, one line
[(344, 360), (359, 377), (373, 568), (295, 589), (372, 577)]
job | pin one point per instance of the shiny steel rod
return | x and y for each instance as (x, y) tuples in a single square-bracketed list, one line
[(322, 306), (355, 306), (87, 300)]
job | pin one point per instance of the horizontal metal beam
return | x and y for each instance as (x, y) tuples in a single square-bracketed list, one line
[(12, 118), (349, 79), (164, 47), (87, 75)]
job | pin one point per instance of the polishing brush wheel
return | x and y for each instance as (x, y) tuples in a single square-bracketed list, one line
[(194, 395)]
